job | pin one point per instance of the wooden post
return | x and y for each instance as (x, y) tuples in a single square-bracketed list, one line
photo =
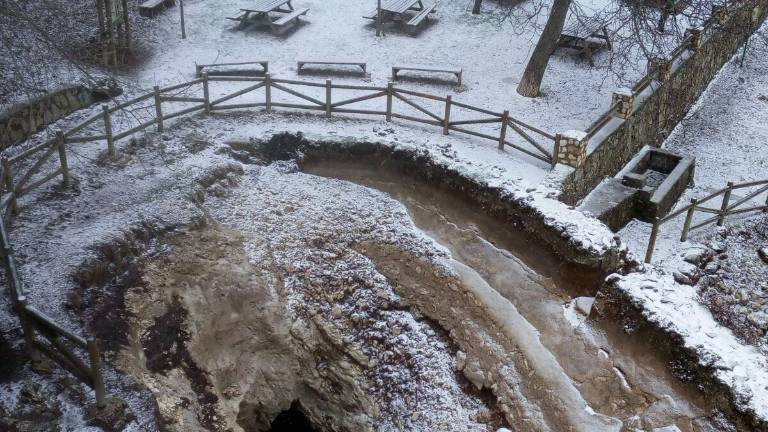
[(378, 18), (158, 109), (268, 91), (555, 151), (688, 220), (206, 93), (183, 27), (96, 376), (328, 98), (28, 329), (390, 90), (61, 144), (108, 131), (652, 240), (503, 133), (447, 118), (9, 184), (724, 206)]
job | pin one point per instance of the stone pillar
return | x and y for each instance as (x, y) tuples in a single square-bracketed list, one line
[(661, 65), (571, 148), (694, 43), (625, 99)]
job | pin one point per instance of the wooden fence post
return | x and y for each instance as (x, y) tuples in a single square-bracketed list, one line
[(206, 93), (9, 184), (688, 220), (390, 90), (503, 132), (555, 151), (108, 130), (447, 118), (328, 98), (158, 109), (652, 240), (28, 329), (61, 144), (268, 91), (96, 376), (724, 206)]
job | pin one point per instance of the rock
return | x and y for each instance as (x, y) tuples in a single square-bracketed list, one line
[(763, 254), (712, 267), (113, 417), (584, 304), (474, 374), (670, 428), (503, 430), (696, 256), (461, 360), (718, 246), (760, 319), (682, 279)]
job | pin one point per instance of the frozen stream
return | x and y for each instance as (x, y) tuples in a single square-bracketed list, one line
[(590, 366)]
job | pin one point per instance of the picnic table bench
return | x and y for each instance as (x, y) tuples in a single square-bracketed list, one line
[(216, 70), (259, 13), (150, 8), (458, 72), (586, 36), (300, 65), (395, 10)]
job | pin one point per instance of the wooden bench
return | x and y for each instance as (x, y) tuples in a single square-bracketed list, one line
[(290, 17), (457, 72), (151, 8), (213, 69), (300, 65), (586, 37), (421, 16)]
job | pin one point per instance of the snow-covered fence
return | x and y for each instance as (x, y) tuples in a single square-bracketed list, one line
[(394, 102), (44, 336), (743, 205)]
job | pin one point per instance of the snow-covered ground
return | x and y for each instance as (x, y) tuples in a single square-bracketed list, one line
[(492, 53)]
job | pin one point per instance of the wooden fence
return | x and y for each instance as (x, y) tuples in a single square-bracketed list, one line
[(44, 336), (727, 208), (23, 172)]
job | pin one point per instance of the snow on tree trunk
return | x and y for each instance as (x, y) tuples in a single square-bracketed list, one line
[(537, 64)]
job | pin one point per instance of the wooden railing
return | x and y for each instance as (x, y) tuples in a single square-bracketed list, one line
[(727, 208), (23, 172), (79, 356)]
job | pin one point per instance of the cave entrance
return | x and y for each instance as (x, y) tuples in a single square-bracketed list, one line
[(292, 420)]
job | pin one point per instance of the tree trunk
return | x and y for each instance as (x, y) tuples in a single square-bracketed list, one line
[(534, 72), (476, 8)]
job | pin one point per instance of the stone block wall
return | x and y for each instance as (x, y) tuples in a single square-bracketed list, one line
[(654, 120), (21, 121)]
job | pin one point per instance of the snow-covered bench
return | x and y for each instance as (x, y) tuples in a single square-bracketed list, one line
[(457, 72), (150, 8), (585, 35), (300, 64), (290, 17), (421, 16)]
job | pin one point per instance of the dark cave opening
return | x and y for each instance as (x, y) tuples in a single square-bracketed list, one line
[(292, 420)]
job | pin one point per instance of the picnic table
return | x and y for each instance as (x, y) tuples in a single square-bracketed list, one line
[(395, 10), (260, 13)]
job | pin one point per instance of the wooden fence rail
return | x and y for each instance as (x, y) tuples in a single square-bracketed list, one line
[(727, 208)]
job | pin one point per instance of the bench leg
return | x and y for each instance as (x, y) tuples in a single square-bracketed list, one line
[(394, 74)]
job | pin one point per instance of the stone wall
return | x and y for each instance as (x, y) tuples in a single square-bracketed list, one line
[(21, 121), (654, 120)]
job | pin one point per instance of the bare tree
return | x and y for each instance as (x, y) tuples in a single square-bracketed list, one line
[(530, 83)]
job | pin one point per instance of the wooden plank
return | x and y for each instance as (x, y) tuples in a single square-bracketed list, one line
[(358, 111), (285, 19), (297, 94), (418, 107), (135, 129), (417, 120), (30, 151), (298, 106), (184, 111), (419, 94), (35, 167), (40, 182), (237, 93), (359, 99)]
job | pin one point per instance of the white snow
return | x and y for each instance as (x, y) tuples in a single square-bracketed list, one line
[(675, 307)]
